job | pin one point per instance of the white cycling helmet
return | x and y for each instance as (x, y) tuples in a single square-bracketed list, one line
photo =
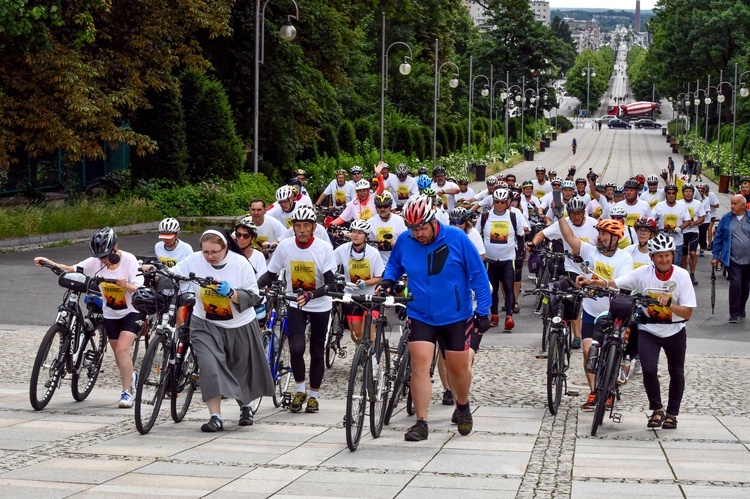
[(304, 213), (169, 226), (491, 180), (618, 211), (362, 184), (362, 225), (355, 169), (568, 184), (660, 243), (575, 204), (501, 195), (652, 179), (284, 192)]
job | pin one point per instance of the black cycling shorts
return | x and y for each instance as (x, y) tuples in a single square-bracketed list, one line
[(689, 242), (454, 337), (131, 322)]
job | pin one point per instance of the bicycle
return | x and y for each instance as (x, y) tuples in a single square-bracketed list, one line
[(276, 342), (625, 309), (150, 321), (169, 365), (75, 344), (336, 327), (565, 306), (369, 378)]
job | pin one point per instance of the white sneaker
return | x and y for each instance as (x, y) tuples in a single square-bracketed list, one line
[(126, 400), (637, 367)]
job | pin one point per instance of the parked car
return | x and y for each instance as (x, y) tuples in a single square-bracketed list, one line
[(646, 123), (618, 123), (606, 118)]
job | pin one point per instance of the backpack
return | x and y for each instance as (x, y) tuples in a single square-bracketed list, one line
[(519, 240)]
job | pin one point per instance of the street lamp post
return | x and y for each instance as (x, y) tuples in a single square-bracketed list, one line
[(697, 102), (744, 93), (453, 84), (404, 68), (506, 97), (287, 32), (588, 73), (485, 92), (532, 100), (539, 98)]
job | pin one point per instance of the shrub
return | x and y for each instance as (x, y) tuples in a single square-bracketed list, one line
[(402, 140), (328, 143), (442, 140), (420, 147), (452, 133), (427, 137), (347, 137), (363, 130), (564, 124)]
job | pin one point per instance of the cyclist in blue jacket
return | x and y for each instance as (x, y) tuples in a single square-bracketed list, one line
[(444, 268)]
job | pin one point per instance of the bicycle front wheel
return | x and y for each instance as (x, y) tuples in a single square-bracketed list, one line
[(356, 397), (283, 368), (187, 378), (152, 384), (87, 371), (379, 387), (400, 384), (333, 338), (554, 371), (604, 385), (48, 367)]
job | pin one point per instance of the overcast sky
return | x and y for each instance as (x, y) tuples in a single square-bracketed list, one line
[(598, 4)]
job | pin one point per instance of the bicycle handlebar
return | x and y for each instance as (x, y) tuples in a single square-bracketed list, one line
[(388, 301), (60, 271)]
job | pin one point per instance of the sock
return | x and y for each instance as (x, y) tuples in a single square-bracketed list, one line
[(313, 393), (218, 416), (301, 387), (462, 407)]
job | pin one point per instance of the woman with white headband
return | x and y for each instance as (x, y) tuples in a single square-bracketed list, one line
[(224, 331)]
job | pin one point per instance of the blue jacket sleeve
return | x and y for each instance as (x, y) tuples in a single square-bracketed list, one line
[(480, 284), (718, 241)]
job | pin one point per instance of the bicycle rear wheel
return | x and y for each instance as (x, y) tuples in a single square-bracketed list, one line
[(187, 378), (400, 383), (49, 365), (356, 397), (379, 387), (604, 386), (152, 384), (333, 338), (150, 324), (554, 371), (87, 371), (283, 368)]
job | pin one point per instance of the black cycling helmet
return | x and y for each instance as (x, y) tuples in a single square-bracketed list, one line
[(670, 187), (632, 184), (103, 243), (422, 170), (146, 301), (438, 170)]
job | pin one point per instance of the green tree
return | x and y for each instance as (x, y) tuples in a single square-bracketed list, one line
[(214, 148), (328, 143), (347, 137)]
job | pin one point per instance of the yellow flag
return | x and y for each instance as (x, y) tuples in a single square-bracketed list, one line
[(679, 183)]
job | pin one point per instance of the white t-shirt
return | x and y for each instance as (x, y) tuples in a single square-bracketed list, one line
[(305, 269), (117, 303), (670, 218), (476, 240), (594, 209), (540, 190), (529, 206), (360, 266), (464, 195), (358, 211), (684, 295), (271, 230), (499, 237), (482, 194), (404, 190), (386, 234), (629, 237), (640, 209), (169, 257), (390, 184), (258, 261), (712, 202), (653, 198), (639, 259), (210, 305), (607, 267), (340, 194), (281, 216), (587, 233), (449, 200), (695, 211)]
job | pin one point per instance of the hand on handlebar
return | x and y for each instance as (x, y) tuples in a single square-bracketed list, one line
[(123, 283), (386, 285), (303, 297)]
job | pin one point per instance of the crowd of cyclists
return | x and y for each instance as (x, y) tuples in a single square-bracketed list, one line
[(464, 254)]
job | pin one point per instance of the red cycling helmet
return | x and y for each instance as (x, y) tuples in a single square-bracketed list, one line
[(418, 211), (648, 223)]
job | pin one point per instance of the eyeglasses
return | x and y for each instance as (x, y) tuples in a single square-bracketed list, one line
[(643, 230), (242, 235), (211, 253), (617, 217)]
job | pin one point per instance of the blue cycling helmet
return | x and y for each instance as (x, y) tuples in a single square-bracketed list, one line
[(424, 182)]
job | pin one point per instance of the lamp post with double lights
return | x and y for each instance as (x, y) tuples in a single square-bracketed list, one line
[(588, 72), (697, 102), (522, 99), (288, 33), (720, 98), (453, 83), (680, 102), (538, 103), (404, 68), (506, 97), (485, 93), (744, 93)]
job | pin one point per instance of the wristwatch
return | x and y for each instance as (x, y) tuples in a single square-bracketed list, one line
[(231, 293)]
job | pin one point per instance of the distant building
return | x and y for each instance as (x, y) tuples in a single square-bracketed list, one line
[(479, 15), (586, 34)]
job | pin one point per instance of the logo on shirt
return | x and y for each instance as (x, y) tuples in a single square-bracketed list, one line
[(670, 222), (603, 270), (114, 296), (384, 237), (499, 232), (217, 307), (303, 275), (359, 269)]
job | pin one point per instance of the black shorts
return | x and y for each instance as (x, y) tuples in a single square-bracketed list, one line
[(587, 325), (689, 242), (131, 322), (455, 337)]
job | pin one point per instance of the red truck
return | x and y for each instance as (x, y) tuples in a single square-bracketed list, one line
[(634, 109)]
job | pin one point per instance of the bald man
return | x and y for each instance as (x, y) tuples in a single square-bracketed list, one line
[(732, 248)]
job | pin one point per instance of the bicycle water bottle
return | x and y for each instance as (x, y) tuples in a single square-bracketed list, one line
[(593, 357)]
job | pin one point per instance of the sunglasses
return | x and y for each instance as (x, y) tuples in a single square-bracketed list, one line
[(242, 235)]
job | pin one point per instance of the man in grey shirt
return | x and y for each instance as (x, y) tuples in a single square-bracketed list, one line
[(732, 247)]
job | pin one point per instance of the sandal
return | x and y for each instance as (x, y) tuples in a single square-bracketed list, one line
[(516, 308), (657, 419), (670, 422)]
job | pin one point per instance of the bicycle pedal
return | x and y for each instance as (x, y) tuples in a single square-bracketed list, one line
[(573, 393), (342, 352), (541, 355), (617, 417)]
